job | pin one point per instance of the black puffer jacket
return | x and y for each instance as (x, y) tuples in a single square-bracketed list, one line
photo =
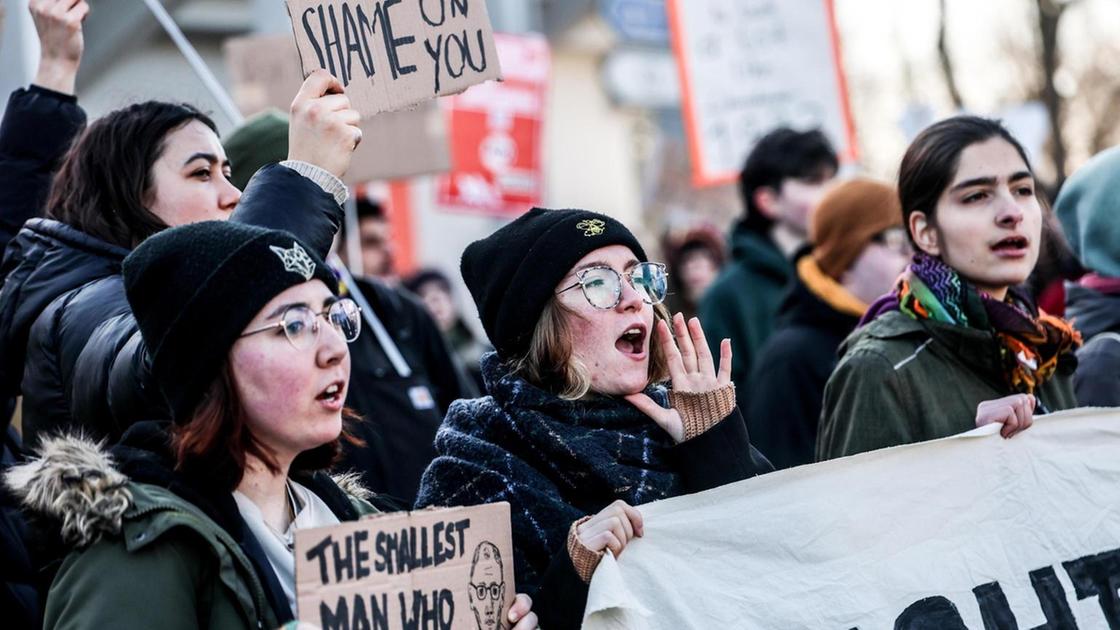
[(68, 341)]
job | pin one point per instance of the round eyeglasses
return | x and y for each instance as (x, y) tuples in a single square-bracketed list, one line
[(494, 589), (301, 325), (602, 285)]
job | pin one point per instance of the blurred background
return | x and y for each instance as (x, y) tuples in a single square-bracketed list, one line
[(593, 115)]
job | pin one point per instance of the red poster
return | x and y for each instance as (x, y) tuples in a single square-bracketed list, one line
[(495, 133)]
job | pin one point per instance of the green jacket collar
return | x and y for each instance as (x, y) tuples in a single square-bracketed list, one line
[(758, 252)]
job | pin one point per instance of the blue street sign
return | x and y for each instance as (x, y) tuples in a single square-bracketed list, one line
[(642, 21)]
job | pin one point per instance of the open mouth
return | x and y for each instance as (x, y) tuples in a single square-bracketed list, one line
[(332, 394), (1011, 245), (632, 342)]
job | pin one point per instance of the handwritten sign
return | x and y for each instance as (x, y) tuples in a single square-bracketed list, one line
[(449, 569), (392, 54), (748, 66), (265, 73)]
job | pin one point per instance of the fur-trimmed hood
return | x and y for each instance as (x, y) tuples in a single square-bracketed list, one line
[(75, 483)]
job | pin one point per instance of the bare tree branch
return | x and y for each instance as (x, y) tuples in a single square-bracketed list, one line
[(947, 61)]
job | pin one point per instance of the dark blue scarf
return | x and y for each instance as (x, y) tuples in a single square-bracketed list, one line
[(553, 460)]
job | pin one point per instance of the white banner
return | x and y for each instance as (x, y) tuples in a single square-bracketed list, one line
[(969, 532)]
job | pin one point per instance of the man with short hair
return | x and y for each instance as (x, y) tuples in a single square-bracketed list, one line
[(859, 250), (784, 177), (487, 591)]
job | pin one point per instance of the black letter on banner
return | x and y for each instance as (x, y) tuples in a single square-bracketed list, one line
[(362, 555), (446, 609), (353, 43), (364, 25), (1052, 597), (311, 36), (1098, 575), (931, 613), (481, 52), (361, 619), (462, 46), (321, 551), (994, 609), (458, 6), (391, 43), (380, 611), (338, 619), (434, 54), (442, 13), (344, 563), (328, 44)]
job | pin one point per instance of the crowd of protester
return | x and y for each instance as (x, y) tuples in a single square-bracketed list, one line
[(188, 361)]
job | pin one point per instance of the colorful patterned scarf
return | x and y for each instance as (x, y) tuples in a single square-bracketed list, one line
[(1031, 343)]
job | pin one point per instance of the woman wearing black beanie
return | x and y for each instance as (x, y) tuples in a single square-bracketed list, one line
[(577, 427), (195, 528)]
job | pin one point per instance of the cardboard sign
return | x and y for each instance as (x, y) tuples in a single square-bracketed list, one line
[(441, 568), (265, 73), (392, 54), (748, 66), (971, 532), (496, 134)]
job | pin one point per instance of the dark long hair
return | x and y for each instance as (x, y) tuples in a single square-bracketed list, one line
[(216, 440), (104, 183), (931, 162)]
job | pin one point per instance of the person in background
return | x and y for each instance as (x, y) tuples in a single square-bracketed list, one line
[(434, 289), (376, 239), (783, 179), (858, 251), (402, 411), (695, 259), (1088, 207), (193, 525), (577, 427), (956, 345)]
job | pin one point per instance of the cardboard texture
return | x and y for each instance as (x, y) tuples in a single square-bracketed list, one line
[(969, 532), (392, 54), (265, 73), (446, 568)]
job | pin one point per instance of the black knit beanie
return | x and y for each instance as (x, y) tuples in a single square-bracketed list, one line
[(194, 289), (513, 272)]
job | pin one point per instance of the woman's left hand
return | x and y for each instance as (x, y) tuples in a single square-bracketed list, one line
[(691, 370), (521, 613)]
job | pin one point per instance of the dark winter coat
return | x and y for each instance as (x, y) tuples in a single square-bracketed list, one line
[(790, 374), (556, 461), (901, 380), (68, 341), (151, 548), (743, 301), (400, 414), (1097, 316), (38, 127)]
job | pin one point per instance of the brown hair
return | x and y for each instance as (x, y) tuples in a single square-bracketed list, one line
[(104, 183), (549, 362), (217, 439)]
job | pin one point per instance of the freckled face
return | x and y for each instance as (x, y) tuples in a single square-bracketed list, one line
[(613, 343), (283, 389)]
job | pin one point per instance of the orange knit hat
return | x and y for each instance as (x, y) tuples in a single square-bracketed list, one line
[(846, 220)]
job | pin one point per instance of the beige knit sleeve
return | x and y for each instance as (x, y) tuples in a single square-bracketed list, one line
[(583, 559), (701, 411)]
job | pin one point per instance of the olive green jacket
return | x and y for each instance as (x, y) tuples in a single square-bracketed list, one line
[(901, 380), (142, 556)]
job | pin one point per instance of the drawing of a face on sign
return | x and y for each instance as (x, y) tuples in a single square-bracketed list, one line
[(487, 589)]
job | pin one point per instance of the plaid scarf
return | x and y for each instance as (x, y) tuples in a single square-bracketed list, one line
[(553, 460), (1030, 343)]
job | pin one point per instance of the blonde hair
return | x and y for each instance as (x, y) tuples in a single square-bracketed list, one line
[(550, 364)]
